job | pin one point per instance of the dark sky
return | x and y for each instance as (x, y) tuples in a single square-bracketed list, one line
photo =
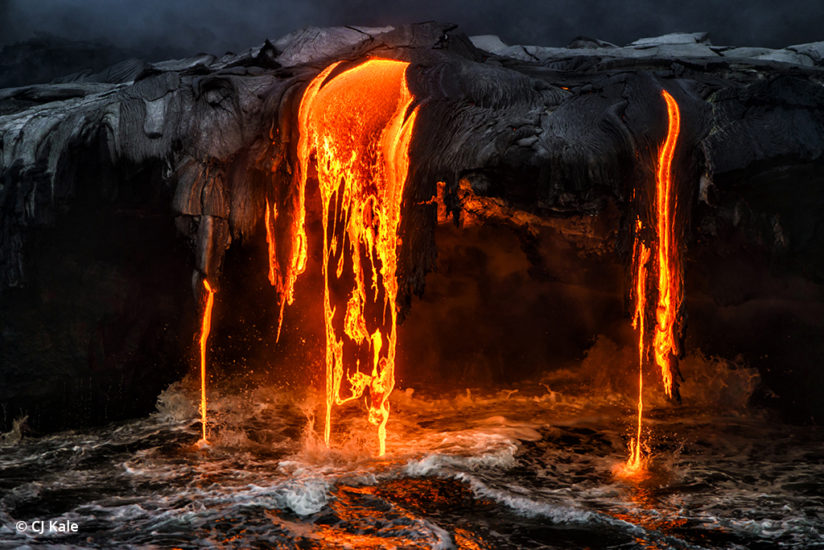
[(179, 27)]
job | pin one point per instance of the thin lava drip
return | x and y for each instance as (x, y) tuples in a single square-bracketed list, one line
[(206, 326), (636, 462), (670, 279), (669, 288)]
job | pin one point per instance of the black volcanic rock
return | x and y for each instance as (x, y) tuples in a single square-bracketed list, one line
[(105, 180)]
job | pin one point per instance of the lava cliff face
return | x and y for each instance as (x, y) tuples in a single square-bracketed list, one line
[(117, 186)]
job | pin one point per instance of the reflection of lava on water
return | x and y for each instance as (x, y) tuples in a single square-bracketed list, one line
[(508, 469)]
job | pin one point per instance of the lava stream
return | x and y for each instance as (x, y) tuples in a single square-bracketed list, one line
[(669, 280), (206, 326), (355, 124), (665, 346), (636, 462)]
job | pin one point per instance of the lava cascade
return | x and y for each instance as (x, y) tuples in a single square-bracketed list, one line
[(668, 281), (355, 127)]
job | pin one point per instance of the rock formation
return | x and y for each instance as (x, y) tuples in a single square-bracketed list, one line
[(116, 186)]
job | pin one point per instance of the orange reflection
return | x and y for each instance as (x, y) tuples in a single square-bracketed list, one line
[(650, 515)]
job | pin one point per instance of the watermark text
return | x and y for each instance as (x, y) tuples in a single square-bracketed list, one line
[(48, 527)]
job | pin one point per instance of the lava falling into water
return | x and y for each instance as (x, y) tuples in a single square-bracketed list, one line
[(206, 326), (635, 462), (669, 282), (356, 125)]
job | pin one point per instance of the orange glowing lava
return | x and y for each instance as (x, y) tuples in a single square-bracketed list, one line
[(669, 281), (665, 346), (271, 216), (636, 461), (206, 326), (285, 291), (356, 127)]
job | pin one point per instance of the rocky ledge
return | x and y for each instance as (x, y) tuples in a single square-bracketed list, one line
[(117, 186)]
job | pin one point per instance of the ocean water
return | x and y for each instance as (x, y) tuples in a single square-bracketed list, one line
[(528, 466)]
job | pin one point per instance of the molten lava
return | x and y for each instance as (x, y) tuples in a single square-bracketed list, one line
[(271, 216), (206, 326), (636, 462), (669, 281), (665, 346), (286, 291), (355, 124)]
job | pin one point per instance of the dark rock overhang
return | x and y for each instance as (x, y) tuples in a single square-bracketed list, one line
[(526, 136), (552, 131)]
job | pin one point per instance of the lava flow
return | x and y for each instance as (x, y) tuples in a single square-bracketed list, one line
[(356, 125), (665, 346), (206, 326), (636, 461), (669, 282), (286, 290)]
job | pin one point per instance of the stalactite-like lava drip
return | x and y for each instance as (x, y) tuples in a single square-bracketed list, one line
[(636, 461), (206, 326), (356, 126), (665, 346), (285, 290), (669, 283)]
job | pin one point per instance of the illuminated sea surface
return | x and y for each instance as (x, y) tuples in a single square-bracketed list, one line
[(526, 467)]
